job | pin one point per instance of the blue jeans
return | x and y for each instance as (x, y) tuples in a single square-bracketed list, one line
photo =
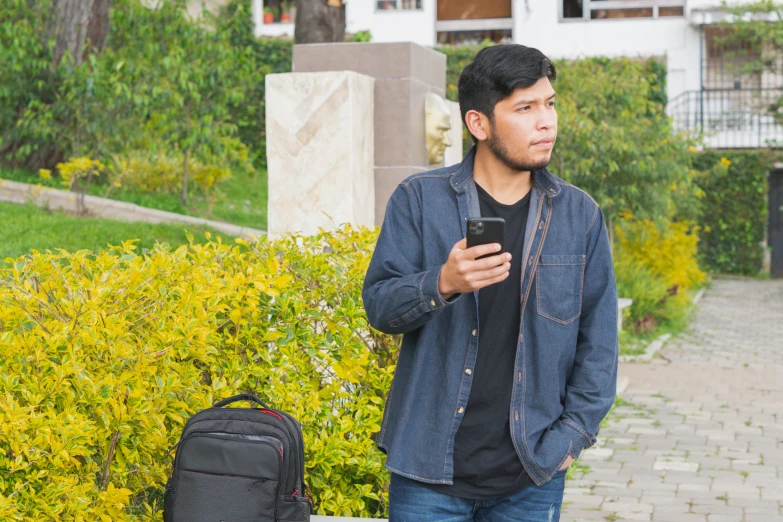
[(410, 501)]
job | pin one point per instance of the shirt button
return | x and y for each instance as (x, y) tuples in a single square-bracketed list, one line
[(432, 302), (461, 410), (474, 332), (541, 226), (468, 371)]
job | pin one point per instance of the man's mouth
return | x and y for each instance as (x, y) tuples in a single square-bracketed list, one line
[(545, 143)]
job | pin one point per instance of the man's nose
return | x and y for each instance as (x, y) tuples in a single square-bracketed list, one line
[(547, 120)]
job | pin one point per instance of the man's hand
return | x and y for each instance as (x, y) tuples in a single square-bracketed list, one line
[(463, 273), (567, 463)]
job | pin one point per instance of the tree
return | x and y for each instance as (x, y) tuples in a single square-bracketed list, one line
[(80, 27), (43, 95), (190, 76), (319, 21), (615, 141)]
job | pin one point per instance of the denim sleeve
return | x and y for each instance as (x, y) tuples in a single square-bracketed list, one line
[(591, 388), (399, 294)]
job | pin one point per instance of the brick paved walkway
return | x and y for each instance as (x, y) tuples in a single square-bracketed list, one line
[(702, 438)]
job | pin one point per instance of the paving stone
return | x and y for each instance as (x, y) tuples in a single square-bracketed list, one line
[(676, 466), (630, 516), (713, 509), (755, 510), (763, 518), (679, 517), (722, 518), (708, 432), (583, 501), (654, 487), (627, 507), (693, 487)]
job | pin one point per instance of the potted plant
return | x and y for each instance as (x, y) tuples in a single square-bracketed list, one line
[(285, 12), (269, 15)]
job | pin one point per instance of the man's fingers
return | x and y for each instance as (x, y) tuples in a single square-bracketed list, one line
[(492, 261), (493, 280), (481, 250), (482, 275)]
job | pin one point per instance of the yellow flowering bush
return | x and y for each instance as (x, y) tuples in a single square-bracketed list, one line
[(78, 168), (670, 253), (655, 267), (105, 356), (162, 172), (74, 170)]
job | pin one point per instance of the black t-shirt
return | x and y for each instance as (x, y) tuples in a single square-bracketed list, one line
[(486, 464)]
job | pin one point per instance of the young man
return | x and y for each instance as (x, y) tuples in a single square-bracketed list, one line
[(508, 363)]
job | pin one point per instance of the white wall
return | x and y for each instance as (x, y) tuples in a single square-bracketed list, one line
[(262, 29), (672, 38), (536, 23), (417, 26)]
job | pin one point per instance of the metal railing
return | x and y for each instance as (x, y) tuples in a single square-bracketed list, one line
[(729, 118)]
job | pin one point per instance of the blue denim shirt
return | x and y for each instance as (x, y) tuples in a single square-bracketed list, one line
[(565, 368)]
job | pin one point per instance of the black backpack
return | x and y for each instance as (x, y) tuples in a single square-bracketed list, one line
[(238, 465)]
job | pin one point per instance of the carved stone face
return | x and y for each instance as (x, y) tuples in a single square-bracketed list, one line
[(437, 125)]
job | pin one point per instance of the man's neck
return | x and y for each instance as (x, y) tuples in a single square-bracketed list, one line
[(504, 184)]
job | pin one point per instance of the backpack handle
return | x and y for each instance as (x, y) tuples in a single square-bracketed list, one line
[(240, 397)]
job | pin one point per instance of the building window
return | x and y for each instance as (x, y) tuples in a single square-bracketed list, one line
[(600, 14), (725, 61), (279, 11), (473, 37), (473, 10), (573, 9), (619, 9), (392, 5), (671, 11)]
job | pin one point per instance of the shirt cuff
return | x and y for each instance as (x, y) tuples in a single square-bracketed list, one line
[(430, 295)]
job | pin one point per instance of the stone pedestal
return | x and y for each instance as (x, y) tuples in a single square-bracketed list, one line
[(320, 151), (404, 73)]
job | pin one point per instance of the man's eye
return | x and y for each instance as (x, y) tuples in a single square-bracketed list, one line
[(551, 104), (524, 109)]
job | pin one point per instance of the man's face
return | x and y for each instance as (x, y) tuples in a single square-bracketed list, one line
[(524, 127)]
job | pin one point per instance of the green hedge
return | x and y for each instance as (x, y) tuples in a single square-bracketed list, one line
[(105, 357), (735, 209)]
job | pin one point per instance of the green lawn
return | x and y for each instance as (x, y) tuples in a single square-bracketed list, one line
[(244, 201), (27, 227)]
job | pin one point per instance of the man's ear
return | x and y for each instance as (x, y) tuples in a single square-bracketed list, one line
[(477, 124)]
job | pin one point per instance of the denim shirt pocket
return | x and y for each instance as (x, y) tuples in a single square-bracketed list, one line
[(559, 284)]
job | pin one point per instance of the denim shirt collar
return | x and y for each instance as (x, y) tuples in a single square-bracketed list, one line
[(541, 177)]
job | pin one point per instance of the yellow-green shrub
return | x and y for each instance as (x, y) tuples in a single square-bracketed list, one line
[(73, 170), (104, 357), (162, 172), (655, 267), (669, 252)]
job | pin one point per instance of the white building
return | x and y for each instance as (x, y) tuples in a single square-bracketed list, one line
[(703, 90)]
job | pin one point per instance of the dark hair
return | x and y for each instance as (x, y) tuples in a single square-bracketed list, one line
[(496, 72)]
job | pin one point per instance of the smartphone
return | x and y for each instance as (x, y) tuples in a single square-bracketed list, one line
[(482, 231)]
